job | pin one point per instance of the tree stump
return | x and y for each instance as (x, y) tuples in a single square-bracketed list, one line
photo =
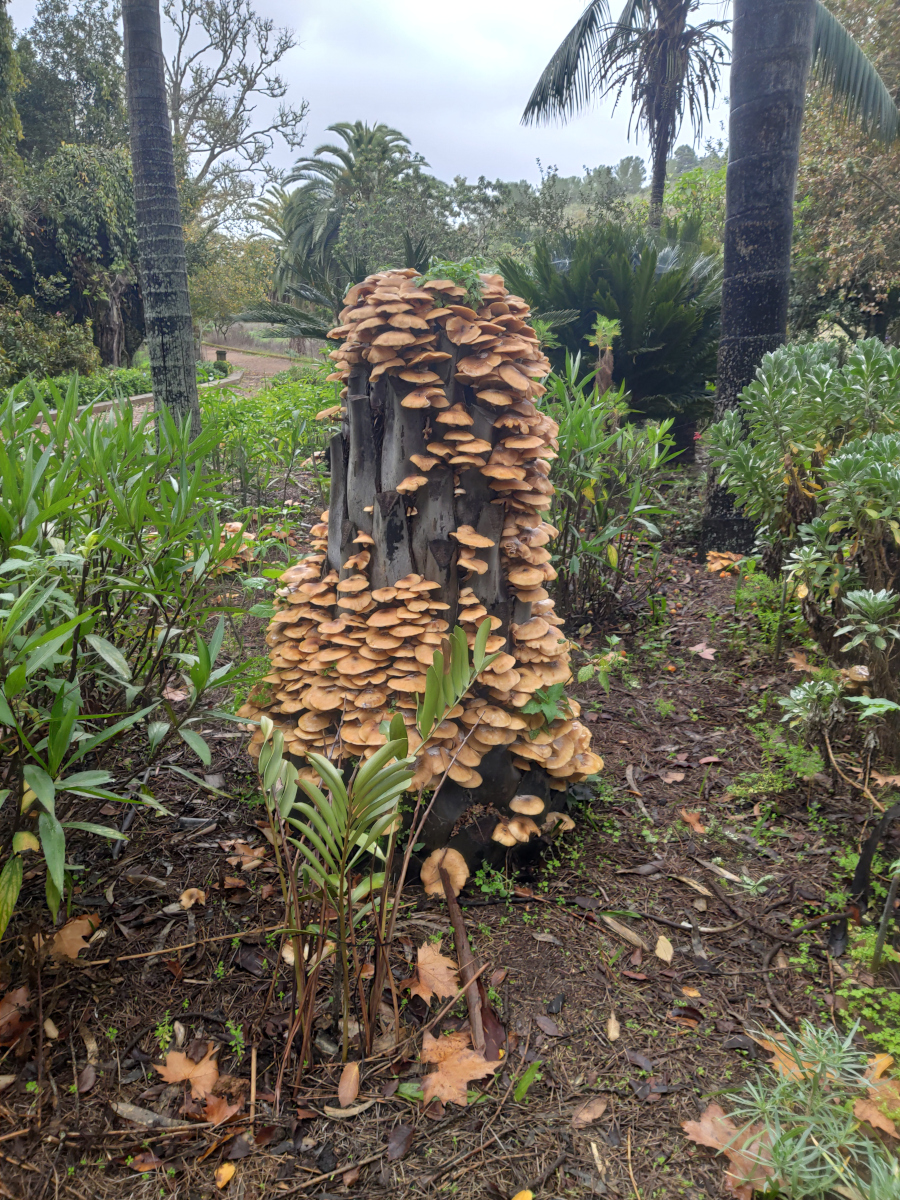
[(439, 483)]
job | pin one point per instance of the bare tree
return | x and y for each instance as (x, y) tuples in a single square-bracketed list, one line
[(224, 64)]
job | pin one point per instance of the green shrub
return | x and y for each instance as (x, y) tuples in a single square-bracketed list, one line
[(608, 502), (109, 539), (812, 456), (38, 343)]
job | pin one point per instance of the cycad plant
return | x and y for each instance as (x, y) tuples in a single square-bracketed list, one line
[(664, 295)]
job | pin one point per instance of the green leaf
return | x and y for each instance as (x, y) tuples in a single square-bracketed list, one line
[(481, 638), (101, 830), (53, 844), (197, 744), (10, 886), (526, 1080), (42, 786), (110, 653), (156, 731)]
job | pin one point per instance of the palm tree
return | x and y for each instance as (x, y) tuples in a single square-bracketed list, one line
[(163, 268), (370, 158), (672, 69), (776, 43)]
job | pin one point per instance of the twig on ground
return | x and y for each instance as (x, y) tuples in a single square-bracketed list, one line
[(307, 1183), (860, 787), (466, 963), (631, 1170), (540, 1180), (767, 966)]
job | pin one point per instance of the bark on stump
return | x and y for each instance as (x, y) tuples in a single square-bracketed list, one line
[(439, 479)]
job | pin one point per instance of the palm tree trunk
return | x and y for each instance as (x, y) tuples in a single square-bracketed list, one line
[(659, 160), (158, 216), (772, 51)]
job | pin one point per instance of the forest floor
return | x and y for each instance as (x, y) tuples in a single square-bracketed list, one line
[(695, 820)]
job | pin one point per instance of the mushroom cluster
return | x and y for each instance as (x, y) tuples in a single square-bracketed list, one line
[(439, 486)]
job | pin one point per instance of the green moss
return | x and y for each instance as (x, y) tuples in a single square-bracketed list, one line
[(877, 1007)]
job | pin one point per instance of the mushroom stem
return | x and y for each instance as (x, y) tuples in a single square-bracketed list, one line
[(468, 970)]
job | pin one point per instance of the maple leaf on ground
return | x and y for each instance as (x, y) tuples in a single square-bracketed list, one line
[(799, 662), (693, 819), (437, 974), (202, 1075), (217, 1109), (457, 1064), (69, 941), (704, 651), (746, 1149)]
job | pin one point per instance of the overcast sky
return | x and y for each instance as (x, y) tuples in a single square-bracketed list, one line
[(453, 77)]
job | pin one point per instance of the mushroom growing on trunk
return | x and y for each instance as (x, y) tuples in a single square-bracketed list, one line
[(439, 486)]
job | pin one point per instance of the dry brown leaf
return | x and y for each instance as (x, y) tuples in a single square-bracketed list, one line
[(885, 780), (693, 883), (613, 1028), (173, 693), (147, 1161), (191, 896), (799, 662), (782, 1059), (348, 1088), (664, 949), (671, 776), (437, 974), (876, 1066), (703, 651), (72, 938), (217, 1109), (341, 1114), (693, 819), (457, 1064), (633, 939), (224, 1174), (590, 1112), (202, 1075), (745, 1149), (690, 991), (246, 856), (867, 1110)]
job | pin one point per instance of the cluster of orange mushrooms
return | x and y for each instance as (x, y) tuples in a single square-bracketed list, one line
[(345, 654)]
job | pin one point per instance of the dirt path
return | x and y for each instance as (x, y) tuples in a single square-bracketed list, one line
[(256, 367)]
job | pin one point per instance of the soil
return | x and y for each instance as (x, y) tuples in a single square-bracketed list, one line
[(650, 847)]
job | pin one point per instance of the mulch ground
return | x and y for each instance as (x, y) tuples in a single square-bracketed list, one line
[(675, 734)]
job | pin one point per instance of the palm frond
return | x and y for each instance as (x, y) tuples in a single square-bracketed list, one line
[(566, 85), (291, 322), (842, 65)]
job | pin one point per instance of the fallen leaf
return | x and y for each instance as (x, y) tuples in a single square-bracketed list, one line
[(224, 1174), (247, 857), (348, 1178), (693, 819), (613, 1028), (498, 976), (348, 1088), (170, 692), (782, 1060), (306, 1114), (703, 651), (87, 1077), (546, 937), (399, 1142), (232, 881), (690, 991), (342, 1114), (265, 1136), (191, 896), (885, 780), (671, 776), (639, 1060), (692, 883), (664, 949), (799, 662), (629, 775), (147, 1161), (878, 1064), (747, 1150), (547, 1024), (457, 1064), (240, 1148), (218, 1110), (866, 1110), (13, 1024), (623, 931), (72, 938), (589, 1112), (437, 974), (710, 758), (202, 1075)]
